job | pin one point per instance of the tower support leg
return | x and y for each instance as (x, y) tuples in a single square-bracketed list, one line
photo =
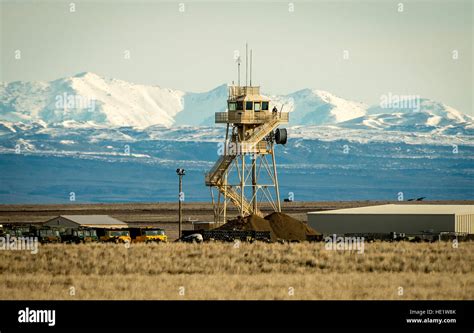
[(277, 187), (254, 182), (242, 187)]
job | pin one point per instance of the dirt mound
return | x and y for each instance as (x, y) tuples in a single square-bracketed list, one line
[(281, 226), (286, 227)]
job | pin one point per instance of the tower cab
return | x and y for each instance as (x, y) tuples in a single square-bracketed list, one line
[(245, 105)]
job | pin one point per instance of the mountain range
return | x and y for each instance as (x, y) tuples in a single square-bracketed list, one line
[(108, 140), (88, 99)]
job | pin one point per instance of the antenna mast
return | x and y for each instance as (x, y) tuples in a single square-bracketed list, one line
[(238, 66), (246, 63), (250, 67)]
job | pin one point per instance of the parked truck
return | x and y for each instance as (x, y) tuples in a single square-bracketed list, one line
[(148, 235), (81, 235), (114, 235), (15, 230), (45, 234)]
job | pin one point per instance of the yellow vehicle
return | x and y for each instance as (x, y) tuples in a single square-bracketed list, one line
[(114, 235), (148, 235)]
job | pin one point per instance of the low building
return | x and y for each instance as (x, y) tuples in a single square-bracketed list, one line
[(86, 221), (409, 219)]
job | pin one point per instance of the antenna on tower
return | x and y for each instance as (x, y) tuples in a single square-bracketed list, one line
[(246, 63), (250, 67), (238, 69)]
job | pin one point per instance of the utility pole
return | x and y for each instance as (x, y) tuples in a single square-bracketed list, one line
[(181, 173)]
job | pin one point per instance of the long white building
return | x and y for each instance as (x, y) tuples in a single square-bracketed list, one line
[(409, 219)]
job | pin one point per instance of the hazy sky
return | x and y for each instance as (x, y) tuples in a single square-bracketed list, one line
[(408, 52)]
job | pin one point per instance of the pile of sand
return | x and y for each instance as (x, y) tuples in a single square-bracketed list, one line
[(281, 226)]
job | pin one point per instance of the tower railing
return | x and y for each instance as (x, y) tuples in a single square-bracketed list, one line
[(250, 117)]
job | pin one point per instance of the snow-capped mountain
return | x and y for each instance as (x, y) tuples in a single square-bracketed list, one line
[(100, 138), (199, 108), (317, 107), (426, 116), (89, 100)]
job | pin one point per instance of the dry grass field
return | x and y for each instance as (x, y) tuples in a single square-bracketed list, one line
[(247, 271)]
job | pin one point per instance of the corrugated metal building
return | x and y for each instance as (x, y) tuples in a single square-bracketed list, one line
[(409, 219), (89, 221)]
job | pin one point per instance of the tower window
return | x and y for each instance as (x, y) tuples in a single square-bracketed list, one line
[(232, 106), (240, 106), (265, 106), (257, 106), (248, 106)]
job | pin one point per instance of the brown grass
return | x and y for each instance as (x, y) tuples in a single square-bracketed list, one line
[(250, 271)]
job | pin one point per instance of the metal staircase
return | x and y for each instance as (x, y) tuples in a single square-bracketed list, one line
[(262, 131), (215, 175)]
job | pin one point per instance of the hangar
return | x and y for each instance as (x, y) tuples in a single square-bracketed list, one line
[(88, 221), (409, 219)]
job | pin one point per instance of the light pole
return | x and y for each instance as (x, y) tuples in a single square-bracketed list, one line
[(181, 173)]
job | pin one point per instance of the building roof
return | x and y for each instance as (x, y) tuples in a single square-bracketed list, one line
[(404, 209), (95, 220)]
